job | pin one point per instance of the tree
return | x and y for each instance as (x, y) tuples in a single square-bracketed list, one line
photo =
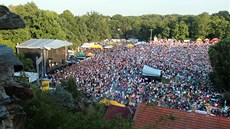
[(27, 63), (97, 26), (8, 43), (81, 30), (224, 14), (115, 25), (144, 32), (135, 23), (94, 27), (200, 26), (45, 25), (46, 111), (163, 29), (71, 86), (16, 36), (227, 97), (183, 33), (219, 55), (68, 24), (174, 26), (219, 27)]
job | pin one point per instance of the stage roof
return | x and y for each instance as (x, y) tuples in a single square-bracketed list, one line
[(43, 43)]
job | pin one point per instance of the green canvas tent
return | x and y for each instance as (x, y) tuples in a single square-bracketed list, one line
[(81, 54)]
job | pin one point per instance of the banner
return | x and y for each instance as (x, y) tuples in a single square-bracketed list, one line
[(45, 85)]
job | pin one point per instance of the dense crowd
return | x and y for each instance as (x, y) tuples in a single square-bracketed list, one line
[(116, 74)]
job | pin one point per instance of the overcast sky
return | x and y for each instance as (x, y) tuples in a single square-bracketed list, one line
[(129, 7)]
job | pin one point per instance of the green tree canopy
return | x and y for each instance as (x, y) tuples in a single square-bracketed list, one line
[(50, 110), (200, 26), (219, 55), (27, 63), (94, 27)]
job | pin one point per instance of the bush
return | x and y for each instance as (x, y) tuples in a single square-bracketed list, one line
[(227, 97), (71, 86), (43, 112), (219, 55), (27, 63), (46, 111)]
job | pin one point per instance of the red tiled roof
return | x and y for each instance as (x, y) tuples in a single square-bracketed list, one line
[(114, 111), (148, 117)]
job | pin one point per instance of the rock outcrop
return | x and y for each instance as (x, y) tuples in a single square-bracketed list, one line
[(9, 20), (11, 114)]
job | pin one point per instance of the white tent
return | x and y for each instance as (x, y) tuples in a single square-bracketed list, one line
[(138, 43), (151, 72), (87, 45), (44, 43), (32, 76), (110, 46)]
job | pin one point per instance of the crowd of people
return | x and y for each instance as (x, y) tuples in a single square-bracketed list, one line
[(116, 74)]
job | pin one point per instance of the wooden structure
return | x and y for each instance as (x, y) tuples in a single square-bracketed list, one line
[(54, 51)]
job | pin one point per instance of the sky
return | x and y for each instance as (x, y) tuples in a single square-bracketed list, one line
[(129, 7)]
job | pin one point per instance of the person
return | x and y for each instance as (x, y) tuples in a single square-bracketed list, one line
[(118, 73)]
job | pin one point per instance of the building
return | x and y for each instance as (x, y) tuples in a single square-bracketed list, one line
[(156, 117), (53, 51)]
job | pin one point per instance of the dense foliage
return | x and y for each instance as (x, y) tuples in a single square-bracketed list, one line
[(71, 87), (95, 27), (58, 110), (27, 63), (219, 55)]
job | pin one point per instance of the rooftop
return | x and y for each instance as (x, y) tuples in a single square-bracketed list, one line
[(115, 111), (43, 43), (161, 117)]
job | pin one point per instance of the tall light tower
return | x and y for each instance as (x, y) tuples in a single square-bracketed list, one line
[(151, 35)]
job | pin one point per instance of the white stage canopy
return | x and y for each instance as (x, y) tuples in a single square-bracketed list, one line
[(44, 43)]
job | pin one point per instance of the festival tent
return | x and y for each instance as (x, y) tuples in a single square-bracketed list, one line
[(138, 43), (108, 46), (81, 54), (151, 72), (215, 40), (130, 45), (96, 46), (89, 54), (187, 41), (111, 102), (87, 45), (199, 40), (206, 40), (48, 44)]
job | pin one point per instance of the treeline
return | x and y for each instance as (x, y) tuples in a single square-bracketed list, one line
[(95, 27)]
